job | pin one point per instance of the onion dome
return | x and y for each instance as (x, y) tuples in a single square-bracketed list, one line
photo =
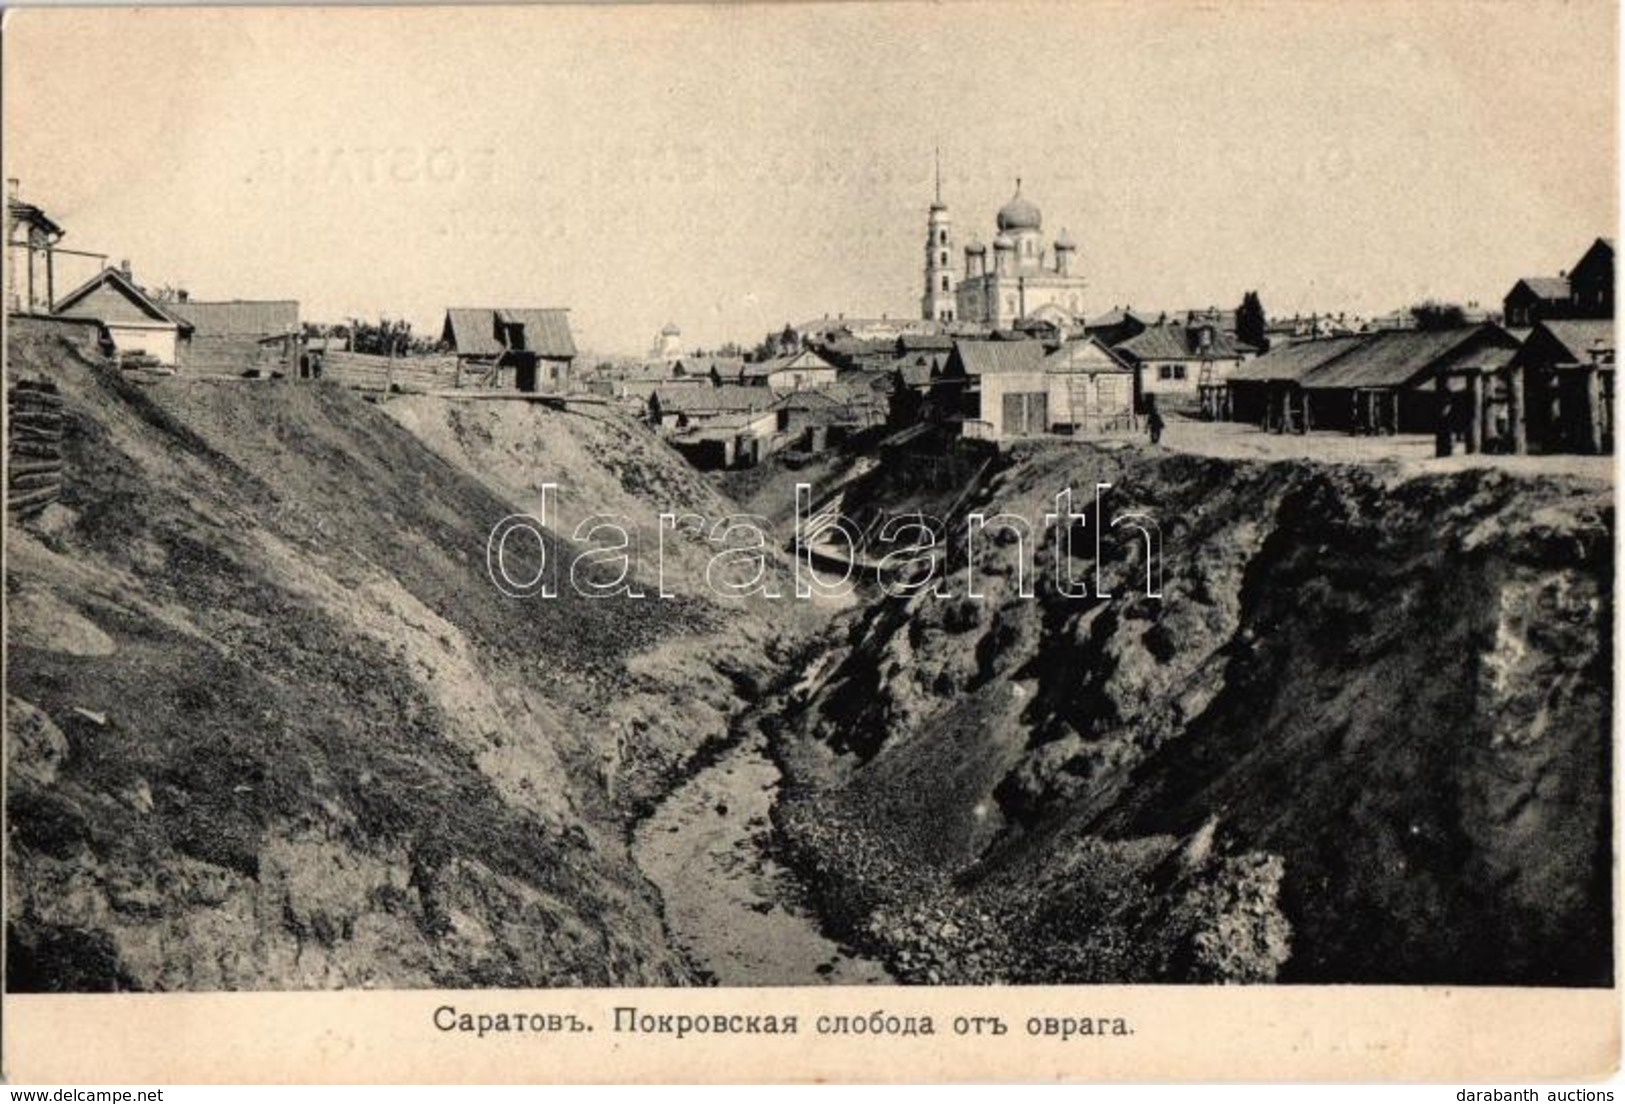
[(1020, 213), (1065, 241), (976, 248), (1004, 241)]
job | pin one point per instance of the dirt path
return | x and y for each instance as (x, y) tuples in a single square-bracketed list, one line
[(736, 911)]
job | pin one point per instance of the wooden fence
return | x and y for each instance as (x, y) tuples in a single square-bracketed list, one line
[(34, 461), (377, 373)]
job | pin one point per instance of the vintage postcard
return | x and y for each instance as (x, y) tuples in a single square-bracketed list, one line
[(896, 541)]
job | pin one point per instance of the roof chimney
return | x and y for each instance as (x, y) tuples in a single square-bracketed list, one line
[(124, 267), (12, 186)]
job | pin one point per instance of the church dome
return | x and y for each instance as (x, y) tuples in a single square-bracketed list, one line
[(1020, 213), (976, 247), (1004, 241), (1065, 241), (670, 330)]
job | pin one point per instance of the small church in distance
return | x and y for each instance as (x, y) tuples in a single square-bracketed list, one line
[(1025, 281)]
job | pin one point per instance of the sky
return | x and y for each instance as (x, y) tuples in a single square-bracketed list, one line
[(734, 168)]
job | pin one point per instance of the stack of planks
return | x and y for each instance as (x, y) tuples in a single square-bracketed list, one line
[(34, 468)]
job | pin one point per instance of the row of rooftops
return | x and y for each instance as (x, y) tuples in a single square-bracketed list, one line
[(1413, 358), (470, 331)]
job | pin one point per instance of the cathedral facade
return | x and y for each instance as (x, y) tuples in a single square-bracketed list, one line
[(1026, 280)]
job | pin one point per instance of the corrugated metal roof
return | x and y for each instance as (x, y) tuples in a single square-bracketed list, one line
[(1294, 361), (473, 331), (238, 317)]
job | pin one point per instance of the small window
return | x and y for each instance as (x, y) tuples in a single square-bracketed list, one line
[(942, 237), (945, 283), (943, 259)]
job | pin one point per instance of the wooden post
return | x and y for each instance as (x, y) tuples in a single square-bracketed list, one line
[(1590, 419), (1444, 434), (1475, 411), (389, 370), (1516, 424), (1308, 419)]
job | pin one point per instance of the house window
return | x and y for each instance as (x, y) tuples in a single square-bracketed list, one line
[(1170, 371)]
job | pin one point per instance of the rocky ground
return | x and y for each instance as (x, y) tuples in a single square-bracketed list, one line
[(1361, 736)]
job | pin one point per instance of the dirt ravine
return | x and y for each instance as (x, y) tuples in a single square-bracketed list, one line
[(734, 910)]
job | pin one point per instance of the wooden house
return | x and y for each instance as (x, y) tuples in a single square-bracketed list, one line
[(524, 348), (135, 324)]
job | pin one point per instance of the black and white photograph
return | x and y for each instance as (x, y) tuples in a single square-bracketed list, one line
[(865, 496)]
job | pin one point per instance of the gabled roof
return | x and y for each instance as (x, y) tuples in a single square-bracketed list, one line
[(806, 360), (69, 304), (244, 317), (979, 358), (1087, 355), (477, 331), (1118, 315), (729, 398), (1400, 358), (1292, 361), (1544, 287), (1176, 341), (1578, 337)]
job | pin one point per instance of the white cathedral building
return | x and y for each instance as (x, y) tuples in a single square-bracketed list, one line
[(1026, 280)]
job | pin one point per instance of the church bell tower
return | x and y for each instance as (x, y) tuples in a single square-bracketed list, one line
[(938, 302)]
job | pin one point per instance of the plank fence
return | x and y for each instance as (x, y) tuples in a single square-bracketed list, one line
[(368, 372)]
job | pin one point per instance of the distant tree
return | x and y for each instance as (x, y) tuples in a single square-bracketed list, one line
[(1433, 315), (381, 338), (654, 408), (1252, 326)]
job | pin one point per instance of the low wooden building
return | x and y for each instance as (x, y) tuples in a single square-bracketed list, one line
[(1565, 373), (1387, 383), (524, 348), (995, 390), (1267, 390), (1090, 389), (135, 324), (239, 335), (796, 372), (1181, 363), (684, 407)]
